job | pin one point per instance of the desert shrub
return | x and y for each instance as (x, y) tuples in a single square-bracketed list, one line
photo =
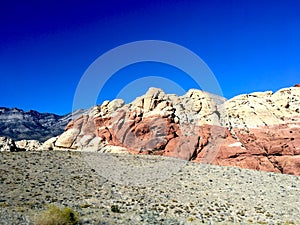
[(115, 209), (57, 216), (289, 223)]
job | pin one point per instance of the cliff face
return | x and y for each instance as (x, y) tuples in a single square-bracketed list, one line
[(257, 131)]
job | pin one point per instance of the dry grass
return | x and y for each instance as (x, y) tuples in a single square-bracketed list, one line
[(57, 216)]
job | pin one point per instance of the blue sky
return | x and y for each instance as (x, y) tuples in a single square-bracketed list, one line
[(46, 46)]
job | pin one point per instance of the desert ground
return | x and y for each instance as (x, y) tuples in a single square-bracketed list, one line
[(139, 189)]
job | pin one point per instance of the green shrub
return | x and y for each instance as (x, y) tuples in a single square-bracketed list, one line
[(57, 216)]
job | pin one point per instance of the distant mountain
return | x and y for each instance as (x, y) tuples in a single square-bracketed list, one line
[(18, 124)]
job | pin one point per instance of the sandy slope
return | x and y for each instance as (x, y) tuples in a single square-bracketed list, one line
[(146, 189)]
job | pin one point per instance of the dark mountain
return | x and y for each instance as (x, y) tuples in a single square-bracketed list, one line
[(18, 124)]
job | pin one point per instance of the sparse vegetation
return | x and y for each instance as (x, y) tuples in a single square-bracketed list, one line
[(115, 209), (168, 202), (289, 223), (191, 219), (57, 216)]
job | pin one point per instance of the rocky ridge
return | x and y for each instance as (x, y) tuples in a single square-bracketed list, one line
[(256, 131), (18, 124)]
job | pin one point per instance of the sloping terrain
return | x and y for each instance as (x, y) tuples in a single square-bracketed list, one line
[(127, 190)]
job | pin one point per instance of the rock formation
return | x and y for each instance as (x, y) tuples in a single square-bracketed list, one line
[(255, 131), (8, 144), (264, 131), (28, 145), (258, 131)]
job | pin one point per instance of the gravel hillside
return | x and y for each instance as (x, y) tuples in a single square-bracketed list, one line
[(137, 189)]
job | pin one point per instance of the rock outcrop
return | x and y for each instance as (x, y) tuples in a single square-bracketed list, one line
[(8, 144), (28, 145), (264, 131), (257, 131)]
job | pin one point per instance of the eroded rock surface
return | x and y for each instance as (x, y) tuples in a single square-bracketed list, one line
[(29, 145), (258, 131), (7, 144)]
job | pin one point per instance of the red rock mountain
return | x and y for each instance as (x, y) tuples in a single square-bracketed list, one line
[(258, 131)]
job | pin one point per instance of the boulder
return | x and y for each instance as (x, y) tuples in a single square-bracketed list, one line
[(7, 144), (49, 144), (28, 145)]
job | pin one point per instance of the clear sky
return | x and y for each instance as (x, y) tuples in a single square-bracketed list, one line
[(46, 46)]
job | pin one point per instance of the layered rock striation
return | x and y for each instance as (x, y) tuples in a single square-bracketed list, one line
[(256, 131), (20, 125)]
